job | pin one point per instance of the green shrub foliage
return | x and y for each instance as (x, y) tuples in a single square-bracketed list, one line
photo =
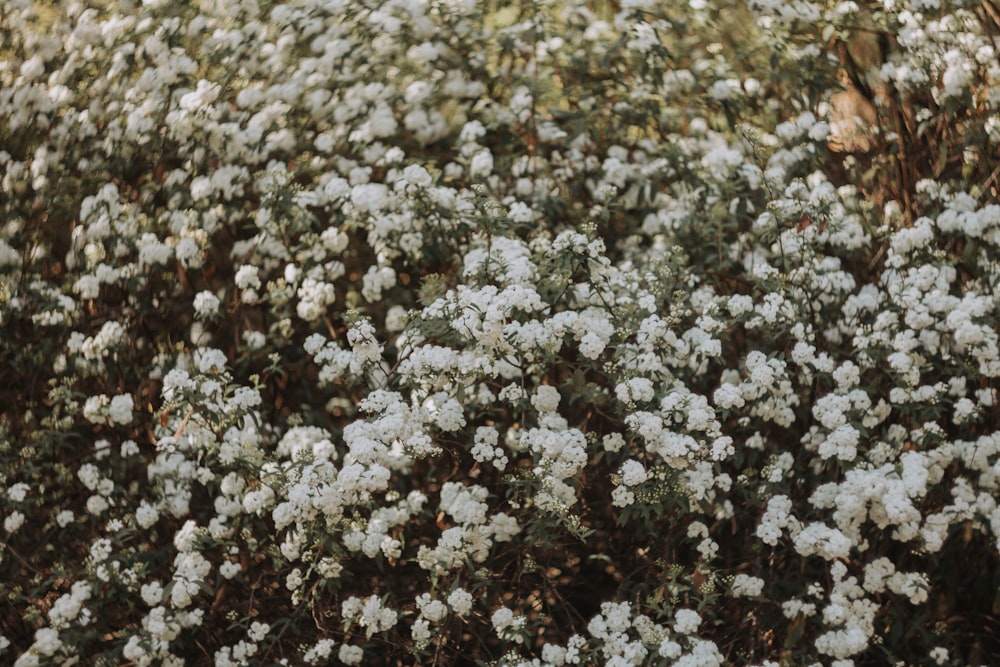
[(445, 332)]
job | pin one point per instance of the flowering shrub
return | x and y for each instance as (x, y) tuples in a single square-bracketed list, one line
[(542, 333)]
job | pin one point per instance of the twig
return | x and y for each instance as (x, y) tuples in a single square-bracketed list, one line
[(184, 423), (989, 181)]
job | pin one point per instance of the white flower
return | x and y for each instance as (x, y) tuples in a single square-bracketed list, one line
[(670, 649), (450, 416), (502, 618), (420, 630), (350, 655), (511, 393), (47, 641), (18, 492), (613, 442), (913, 585), (152, 593), (320, 653), (95, 409), (956, 76), (68, 607), (375, 617), (622, 496), (554, 655), (13, 521), (369, 197), (89, 475), (842, 643), (842, 443), (120, 409), (820, 539), (592, 345), (633, 473), (210, 360), (520, 212), (258, 631), (184, 538), (229, 569), (206, 304), (546, 399), (847, 375), (247, 277), (314, 297), (461, 601), (396, 318), (745, 585), (635, 390), (88, 287), (728, 396), (776, 517), (146, 515), (708, 548), (415, 174), (686, 621), (939, 655), (432, 610), (482, 164)]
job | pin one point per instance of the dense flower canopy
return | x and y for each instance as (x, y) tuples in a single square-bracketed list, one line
[(520, 333)]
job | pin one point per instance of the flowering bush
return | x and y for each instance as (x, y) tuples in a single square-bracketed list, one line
[(542, 333)]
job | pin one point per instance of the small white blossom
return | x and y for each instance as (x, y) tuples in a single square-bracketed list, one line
[(546, 399), (350, 655), (747, 586), (13, 521), (461, 601), (206, 304), (686, 621), (633, 473)]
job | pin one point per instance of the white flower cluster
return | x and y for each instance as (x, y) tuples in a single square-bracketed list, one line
[(475, 533), (618, 636), (100, 409), (402, 319), (370, 614)]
